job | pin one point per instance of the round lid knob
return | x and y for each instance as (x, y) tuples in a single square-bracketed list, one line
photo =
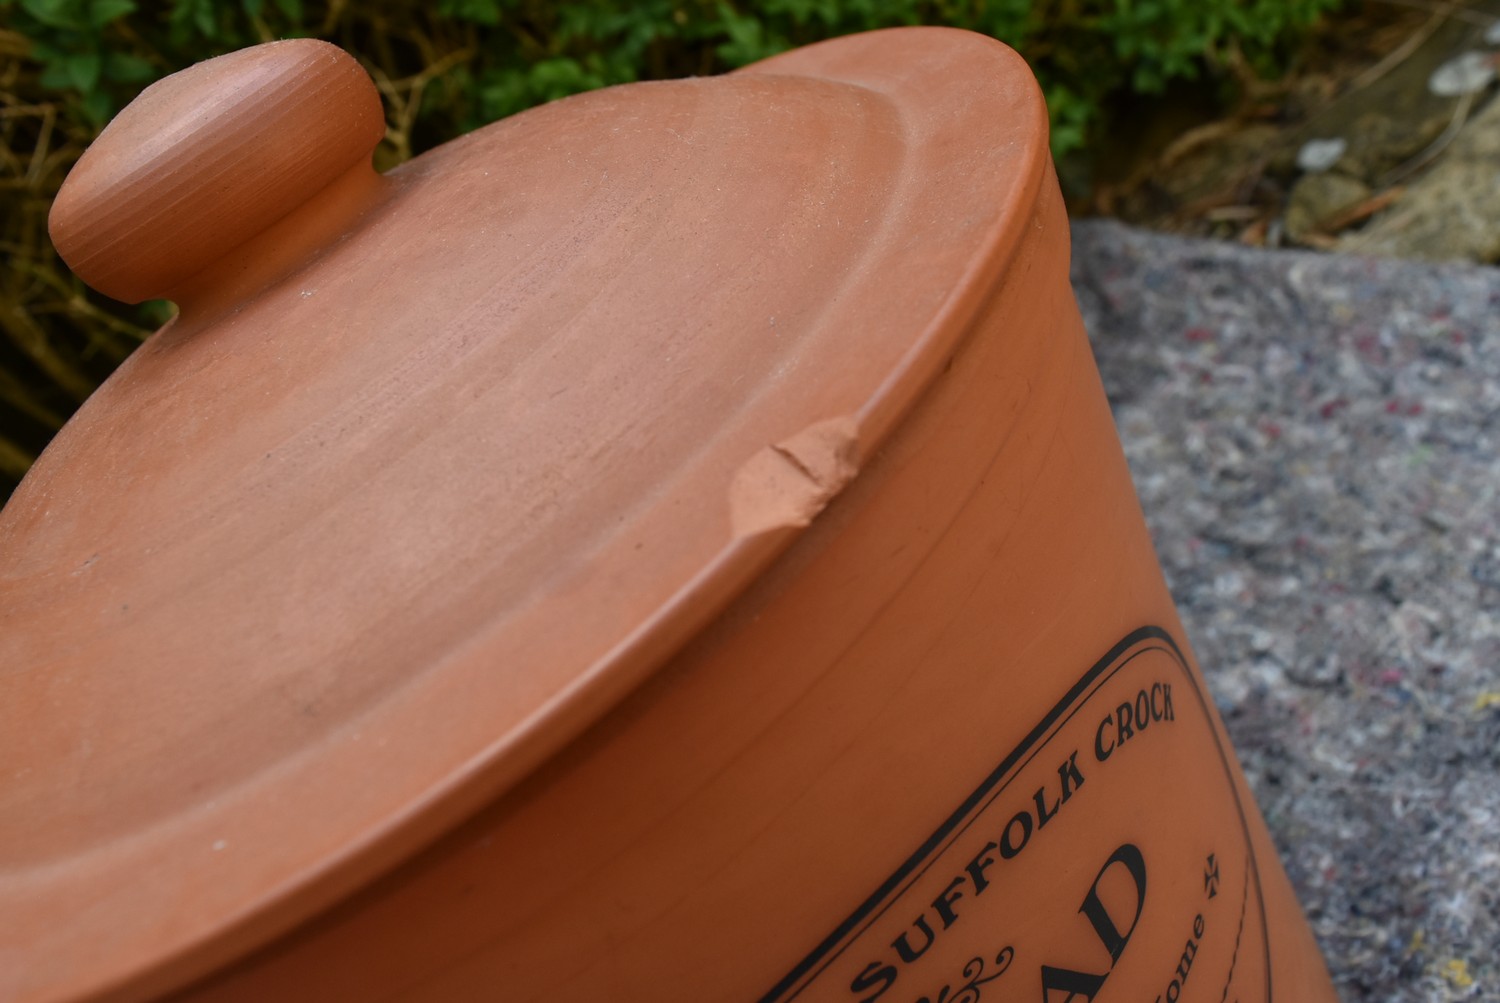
[(205, 160)]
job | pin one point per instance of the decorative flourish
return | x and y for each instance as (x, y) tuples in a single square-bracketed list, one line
[(975, 973)]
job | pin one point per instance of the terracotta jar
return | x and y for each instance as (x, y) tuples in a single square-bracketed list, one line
[(669, 545)]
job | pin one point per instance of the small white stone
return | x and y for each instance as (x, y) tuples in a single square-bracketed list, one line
[(1320, 154), (1465, 74)]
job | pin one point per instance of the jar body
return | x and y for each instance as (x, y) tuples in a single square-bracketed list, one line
[(951, 741)]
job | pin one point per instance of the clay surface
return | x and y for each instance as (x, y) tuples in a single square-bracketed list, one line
[(447, 544), (208, 159)]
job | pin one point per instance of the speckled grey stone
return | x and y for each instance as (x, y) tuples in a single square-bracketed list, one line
[(1449, 213), (1318, 198), (1316, 443)]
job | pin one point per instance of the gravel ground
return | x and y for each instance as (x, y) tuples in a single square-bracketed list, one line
[(1316, 442)]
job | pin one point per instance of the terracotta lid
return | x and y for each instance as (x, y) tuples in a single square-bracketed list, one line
[(433, 468)]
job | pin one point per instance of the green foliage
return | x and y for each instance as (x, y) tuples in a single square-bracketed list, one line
[(1158, 41), (70, 41), (522, 52), (450, 66)]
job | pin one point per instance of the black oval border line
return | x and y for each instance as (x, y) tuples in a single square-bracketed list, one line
[(809, 968)]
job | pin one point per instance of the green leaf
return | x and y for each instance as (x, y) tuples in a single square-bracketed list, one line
[(551, 79), (194, 15), (747, 38), (83, 69), (478, 11), (103, 12), (97, 106), (46, 53), (126, 68), (56, 77), (155, 313), (65, 14)]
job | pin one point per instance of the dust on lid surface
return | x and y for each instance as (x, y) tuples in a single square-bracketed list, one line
[(423, 507)]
